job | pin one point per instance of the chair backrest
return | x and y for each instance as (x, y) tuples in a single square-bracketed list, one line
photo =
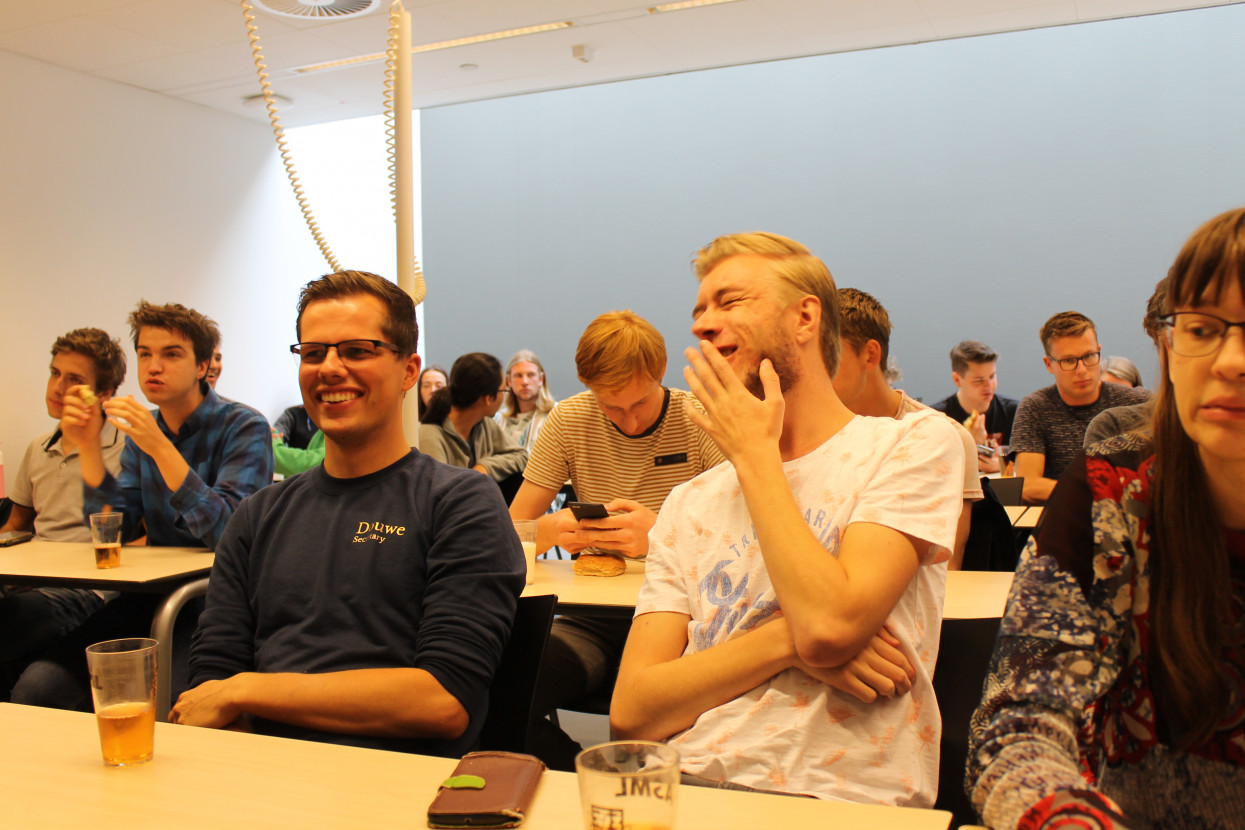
[(964, 651), (1008, 490), (992, 542), (511, 695)]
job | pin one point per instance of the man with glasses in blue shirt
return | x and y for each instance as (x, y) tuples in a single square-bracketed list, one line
[(1050, 423), (365, 601)]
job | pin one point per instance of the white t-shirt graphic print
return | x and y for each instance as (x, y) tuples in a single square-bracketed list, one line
[(793, 733)]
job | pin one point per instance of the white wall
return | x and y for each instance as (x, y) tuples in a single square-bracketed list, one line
[(110, 194), (976, 187), (344, 170)]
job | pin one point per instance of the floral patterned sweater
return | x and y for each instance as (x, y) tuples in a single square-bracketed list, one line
[(1069, 732)]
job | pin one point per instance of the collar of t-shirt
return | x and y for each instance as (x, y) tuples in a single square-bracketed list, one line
[(108, 437), (665, 405)]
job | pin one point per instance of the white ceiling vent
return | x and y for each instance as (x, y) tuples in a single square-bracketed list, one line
[(325, 9)]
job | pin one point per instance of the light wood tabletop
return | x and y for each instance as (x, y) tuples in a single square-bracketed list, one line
[(1032, 516), (73, 564), (976, 595), (970, 595), (175, 572), (595, 595), (54, 777)]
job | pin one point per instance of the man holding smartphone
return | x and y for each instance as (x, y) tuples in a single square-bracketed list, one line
[(976, 404), (47, 493), (625, 443)]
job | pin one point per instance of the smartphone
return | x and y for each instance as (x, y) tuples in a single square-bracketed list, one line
[(588, 510), (988, 452), (15, 537)]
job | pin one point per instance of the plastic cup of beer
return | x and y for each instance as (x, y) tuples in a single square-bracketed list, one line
[(1001, 452), (106, 536), (526, 528), (630, 784), (123, 687)]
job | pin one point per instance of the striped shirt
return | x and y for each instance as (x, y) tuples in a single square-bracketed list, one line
[(578, 443)]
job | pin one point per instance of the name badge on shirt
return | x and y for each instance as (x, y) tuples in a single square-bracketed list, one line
[(674, 458)]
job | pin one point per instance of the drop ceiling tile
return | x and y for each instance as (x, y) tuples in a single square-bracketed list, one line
[(301, 49), (713, 27), (231, 99), (799, 17), (362, 35), (970, 8), (189, 26), (83, 44), (821, 43), (362, 85), (482, 16), (173, 72), (1006, 21), (1105, 9), (18, 14)]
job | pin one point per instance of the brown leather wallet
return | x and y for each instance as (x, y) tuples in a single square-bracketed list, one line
[(510, 781)]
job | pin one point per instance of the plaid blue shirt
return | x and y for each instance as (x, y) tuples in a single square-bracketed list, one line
[(229, 449)]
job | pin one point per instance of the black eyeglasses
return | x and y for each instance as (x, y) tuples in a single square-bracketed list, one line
[(1196, 334), (1068, 364), (348, 351)]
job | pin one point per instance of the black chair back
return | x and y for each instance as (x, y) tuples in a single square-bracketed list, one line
[(510, 712), (992, 543), (1009, 490)]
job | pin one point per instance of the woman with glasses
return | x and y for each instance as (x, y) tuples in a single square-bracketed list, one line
[(458, 428), (1115, 697)]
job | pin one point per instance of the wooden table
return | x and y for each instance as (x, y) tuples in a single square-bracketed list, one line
[(970, 594), (599, 596), (54, 777), (1024, 515), (178, 573), (72, 564), (976, 595)]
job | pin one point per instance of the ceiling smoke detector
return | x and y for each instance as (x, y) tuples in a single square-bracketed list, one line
[(325, 9)]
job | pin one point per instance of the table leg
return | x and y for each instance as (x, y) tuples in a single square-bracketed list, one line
[(162, 631)]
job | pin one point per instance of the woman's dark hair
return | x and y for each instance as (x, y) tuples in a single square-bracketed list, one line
[(472, 377), (1191, 584), (419, 384)]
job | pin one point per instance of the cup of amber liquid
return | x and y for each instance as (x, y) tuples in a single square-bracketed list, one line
[(526, 530), (123, 688), (106, 537)]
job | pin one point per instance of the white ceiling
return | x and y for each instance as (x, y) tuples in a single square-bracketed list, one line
[(198, 50)]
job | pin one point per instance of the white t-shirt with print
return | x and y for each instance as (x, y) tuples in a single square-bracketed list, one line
[(793, 733)]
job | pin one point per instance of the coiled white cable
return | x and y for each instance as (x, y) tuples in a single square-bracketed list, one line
[(419, 289), (248, 11)]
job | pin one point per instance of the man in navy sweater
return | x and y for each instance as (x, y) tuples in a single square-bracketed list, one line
[(366, 601)]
